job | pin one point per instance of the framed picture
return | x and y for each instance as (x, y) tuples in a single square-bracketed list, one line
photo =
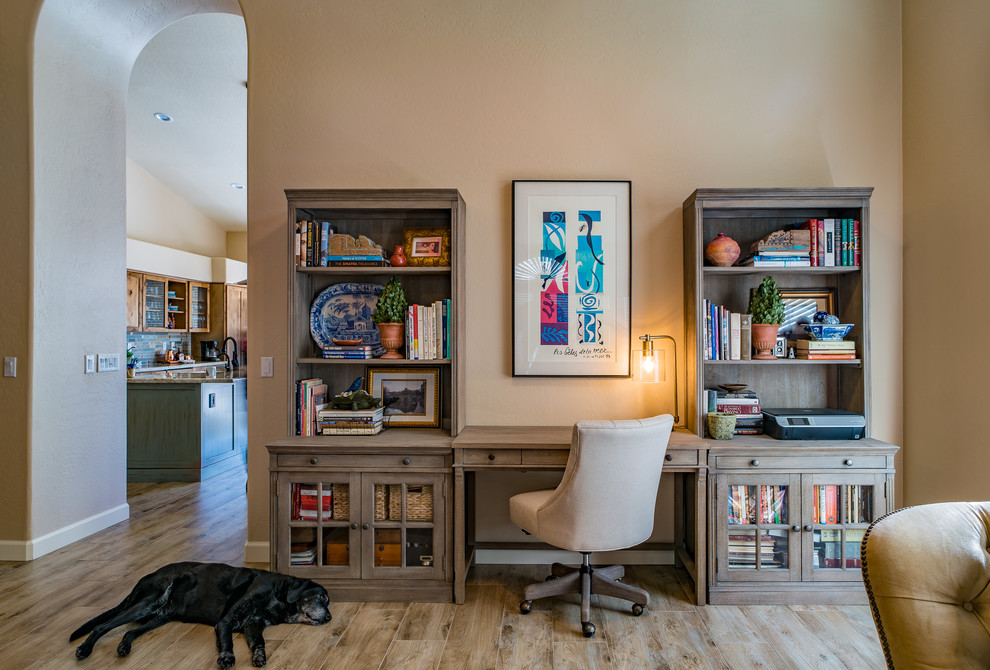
[(427, 246), (800, 305), (411, 396), (571, 290)]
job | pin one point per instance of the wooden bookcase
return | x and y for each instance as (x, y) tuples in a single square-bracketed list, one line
[(750, 463), (404, 457)]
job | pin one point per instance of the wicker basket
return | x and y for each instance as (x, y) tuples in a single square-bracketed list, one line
[(341, 502), (388, 502)]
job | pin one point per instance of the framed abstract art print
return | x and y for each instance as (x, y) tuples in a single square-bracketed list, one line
[(571, 284)]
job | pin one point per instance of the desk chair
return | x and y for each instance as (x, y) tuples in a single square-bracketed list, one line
[(927, 573), (604, 502)]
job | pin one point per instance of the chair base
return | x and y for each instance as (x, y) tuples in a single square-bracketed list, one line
[(585, 580)]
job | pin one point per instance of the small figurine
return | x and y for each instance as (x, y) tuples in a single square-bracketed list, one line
[(825, 317), (355, 400)]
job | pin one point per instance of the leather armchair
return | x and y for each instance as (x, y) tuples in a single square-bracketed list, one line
[(604, 502), (926, 570)]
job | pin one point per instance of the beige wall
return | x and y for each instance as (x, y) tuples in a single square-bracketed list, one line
[(672, 95), (946, 272), (237, 246)]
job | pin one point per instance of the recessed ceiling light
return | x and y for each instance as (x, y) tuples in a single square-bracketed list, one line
[(236, 185), (161, 116)]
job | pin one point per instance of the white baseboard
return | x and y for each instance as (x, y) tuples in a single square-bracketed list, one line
[(256, 552), (29, 550), (546, 556)]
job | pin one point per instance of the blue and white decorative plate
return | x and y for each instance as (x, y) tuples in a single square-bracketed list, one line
[(343, 311)]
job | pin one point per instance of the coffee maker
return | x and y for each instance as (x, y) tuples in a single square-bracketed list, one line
[(209, 350)]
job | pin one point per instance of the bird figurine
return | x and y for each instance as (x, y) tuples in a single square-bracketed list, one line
[(355, 385)]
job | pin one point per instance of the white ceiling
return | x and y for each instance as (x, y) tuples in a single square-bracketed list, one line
[(195, 70)]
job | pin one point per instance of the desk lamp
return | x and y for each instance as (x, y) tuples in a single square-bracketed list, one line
[(650, 365)]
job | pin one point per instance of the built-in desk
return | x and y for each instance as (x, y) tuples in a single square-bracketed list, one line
[(521, 448)]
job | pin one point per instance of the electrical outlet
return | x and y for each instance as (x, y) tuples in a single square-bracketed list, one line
[(9, 366), (89, 364), (108, 363), (267, 366)]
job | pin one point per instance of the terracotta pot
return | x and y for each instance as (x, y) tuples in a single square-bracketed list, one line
[(398, 258), (722, 251), (392, 335), (764, 340)]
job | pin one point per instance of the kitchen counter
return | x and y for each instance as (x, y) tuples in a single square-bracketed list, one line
[(172, 375)]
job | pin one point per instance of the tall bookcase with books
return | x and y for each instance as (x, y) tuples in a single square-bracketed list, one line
[(386, 535), (785, 516)]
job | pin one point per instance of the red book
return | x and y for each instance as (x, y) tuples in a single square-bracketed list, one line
[(831, 504), (856, 243)]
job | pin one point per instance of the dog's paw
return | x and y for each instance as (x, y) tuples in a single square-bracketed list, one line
[(83, 651), (124, 648), (258, 658), (225, 660)]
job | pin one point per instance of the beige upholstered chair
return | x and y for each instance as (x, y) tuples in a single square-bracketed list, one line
[(604, 502), (927, 571)]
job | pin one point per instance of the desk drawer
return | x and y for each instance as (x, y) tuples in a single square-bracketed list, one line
[(370, 461), (681, 457), (798, 463), (492, 457), (545, 457)]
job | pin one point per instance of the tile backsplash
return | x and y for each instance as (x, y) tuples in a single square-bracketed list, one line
[(146, 345)]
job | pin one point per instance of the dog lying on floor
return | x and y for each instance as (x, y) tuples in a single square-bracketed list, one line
[(233, 600)]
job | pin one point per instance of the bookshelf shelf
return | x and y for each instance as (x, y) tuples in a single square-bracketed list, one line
[(796, 550), (374, 361)]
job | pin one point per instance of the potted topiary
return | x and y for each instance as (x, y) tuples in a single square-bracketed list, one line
[(767, 308), (390, 316)]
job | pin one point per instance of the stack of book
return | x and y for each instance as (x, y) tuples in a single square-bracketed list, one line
[(728, 335), (834, 241), (745, 404), (306, 502), (782, 248), (743, 551), (824, 350), (428, 330), (310, 397), (332, 421), (347, 351), (317, 245)]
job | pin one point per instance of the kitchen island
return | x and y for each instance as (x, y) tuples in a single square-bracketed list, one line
[(184, 425)]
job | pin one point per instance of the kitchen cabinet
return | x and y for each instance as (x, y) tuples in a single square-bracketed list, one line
[(227, 318), (157, 303), (369, 523), (199, 307), (135, 289)]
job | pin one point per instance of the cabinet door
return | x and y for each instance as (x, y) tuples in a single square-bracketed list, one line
[(178, 305), (134, 291), (199, 307), (235, 325), (837, 511), (153, 303), (318, 531), (754, 536), (405, 515)]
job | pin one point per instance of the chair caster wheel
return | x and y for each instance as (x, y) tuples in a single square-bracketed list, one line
[(637, 610), (526, 606), (588, 628)]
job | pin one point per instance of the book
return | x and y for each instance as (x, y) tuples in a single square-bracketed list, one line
[(822, 344), (371, 262), (825, 356), (745, 336), (371, 256), (370, 430), (325, 233), (776, 262), (336, 412), (735, 332), (857, 252), (738, 409), (347, 354), (829, 252), (303, 397)]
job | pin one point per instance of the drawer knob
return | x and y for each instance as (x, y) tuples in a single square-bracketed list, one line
[(366, 526), (755, 463), (848, 461), (314, 460), (808, 528), (796, 529), (491, 457), (354, 526), (406, 461), (668, 457)]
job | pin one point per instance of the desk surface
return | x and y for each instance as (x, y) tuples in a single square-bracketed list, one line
[(544, 437)]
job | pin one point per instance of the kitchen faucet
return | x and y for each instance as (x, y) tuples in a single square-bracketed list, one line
[(230, 359)]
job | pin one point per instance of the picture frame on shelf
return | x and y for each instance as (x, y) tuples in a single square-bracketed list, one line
[(800, 305), (411, 396), (571, 283), (427, 247)]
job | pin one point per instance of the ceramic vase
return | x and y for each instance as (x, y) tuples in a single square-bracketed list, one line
[(764, 340), (392, 336), (398, 258), (722, 251)]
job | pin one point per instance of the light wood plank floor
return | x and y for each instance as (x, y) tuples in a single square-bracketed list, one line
[(41, 602)]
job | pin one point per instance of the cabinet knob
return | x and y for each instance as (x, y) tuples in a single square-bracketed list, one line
[(491, 457), (354, 526), (808, 528), (755, 463), (848, 461), (314, 460), (366, 526), (668, 457), (406, 461), (796, 529)]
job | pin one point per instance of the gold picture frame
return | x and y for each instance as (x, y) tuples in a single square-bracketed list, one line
[(411, 396), (427, 247)]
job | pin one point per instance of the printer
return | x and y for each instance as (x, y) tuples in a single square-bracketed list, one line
[(818, 423)]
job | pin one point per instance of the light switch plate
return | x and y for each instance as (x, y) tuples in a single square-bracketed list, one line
[(267, 366), (108, 363), (10, 366), (90, 364)]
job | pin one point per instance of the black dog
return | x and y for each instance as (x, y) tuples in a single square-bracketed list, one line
[(233, 600)]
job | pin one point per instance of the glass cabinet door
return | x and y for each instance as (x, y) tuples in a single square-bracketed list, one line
[(154, 303), (405, 539), (322, 525), (757, 513), (199, 312), (839, 509)]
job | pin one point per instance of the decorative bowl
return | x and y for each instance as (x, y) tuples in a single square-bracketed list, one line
[(733, 388), (346, 343), (827, 331), (721, 425)]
